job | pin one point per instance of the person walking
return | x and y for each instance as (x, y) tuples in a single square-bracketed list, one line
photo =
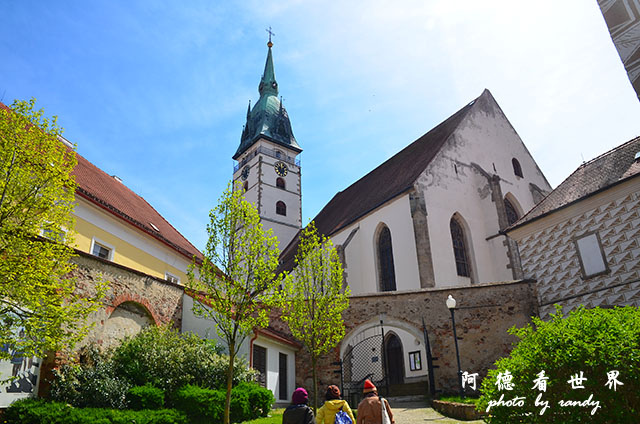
[(333, 404), (370, 408), (298, 412)]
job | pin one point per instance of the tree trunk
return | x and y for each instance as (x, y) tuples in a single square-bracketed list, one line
[(315, 384), (227, 404)]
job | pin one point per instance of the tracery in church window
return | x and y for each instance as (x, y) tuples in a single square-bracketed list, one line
[(512, 213), (517, 169), (281, 208), (385, 261), (460, 251), (280, 183)]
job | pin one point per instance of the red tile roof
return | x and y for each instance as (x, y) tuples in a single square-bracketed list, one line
[(591, 177), (114, 197)]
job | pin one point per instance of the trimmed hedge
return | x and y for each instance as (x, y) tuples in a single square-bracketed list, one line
[(248, 401), (39, 411), (145, 397)]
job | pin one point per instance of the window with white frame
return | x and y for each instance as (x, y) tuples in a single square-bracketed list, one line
[(171, 278), (591, 255), (102, 250)]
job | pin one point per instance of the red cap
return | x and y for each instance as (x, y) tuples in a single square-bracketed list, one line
[(369, 386)]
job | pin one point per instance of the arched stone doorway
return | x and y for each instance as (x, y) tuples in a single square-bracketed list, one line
[(394, 359)]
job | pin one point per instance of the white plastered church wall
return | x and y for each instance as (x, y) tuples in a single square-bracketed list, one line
[(483, 144), (361, 252)]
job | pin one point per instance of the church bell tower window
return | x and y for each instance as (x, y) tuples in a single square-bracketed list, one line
[(280, 183), (281, 208)]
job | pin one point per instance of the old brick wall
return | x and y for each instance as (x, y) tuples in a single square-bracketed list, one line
[(483, 315), (147, 299), (159, 299)]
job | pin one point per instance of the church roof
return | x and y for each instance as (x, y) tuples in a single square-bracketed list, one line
[(108, 193), (590, 178), (268, 119), (392, 178)]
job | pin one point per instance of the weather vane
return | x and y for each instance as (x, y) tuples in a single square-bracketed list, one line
[(270, 34)]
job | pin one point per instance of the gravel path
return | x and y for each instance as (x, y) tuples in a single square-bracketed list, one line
[(418, 413)]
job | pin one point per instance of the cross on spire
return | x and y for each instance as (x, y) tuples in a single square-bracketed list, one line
[(270, 34)]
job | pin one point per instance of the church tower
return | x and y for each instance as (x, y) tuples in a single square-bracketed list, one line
[(267, 166)]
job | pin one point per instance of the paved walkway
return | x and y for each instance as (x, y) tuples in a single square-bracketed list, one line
[(419, 413)]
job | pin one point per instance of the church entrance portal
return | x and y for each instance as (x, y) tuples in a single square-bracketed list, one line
[(364, 359), (395, 363)]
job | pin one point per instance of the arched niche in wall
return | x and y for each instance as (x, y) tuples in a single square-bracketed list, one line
[(127, 319)]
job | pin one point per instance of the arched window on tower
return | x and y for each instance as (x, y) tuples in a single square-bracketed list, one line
[(460, 248), (517, 169), (512, 212), (385, 261), (280, 183), (246, 186), (281, 208)]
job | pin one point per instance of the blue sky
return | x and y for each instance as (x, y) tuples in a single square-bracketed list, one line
[(156, 91)]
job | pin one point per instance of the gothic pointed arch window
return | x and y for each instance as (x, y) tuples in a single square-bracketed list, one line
[(281, 208), (511, 211), (386, 268), (460, 248)]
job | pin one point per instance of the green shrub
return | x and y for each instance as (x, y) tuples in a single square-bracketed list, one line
[(591, 341), (170, 360), (260, 399), (38, 411), (91, 383), (145, 397), (158, 356), (201, 405)]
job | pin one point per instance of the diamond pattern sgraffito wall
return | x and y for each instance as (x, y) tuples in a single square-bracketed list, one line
[(550, 257)]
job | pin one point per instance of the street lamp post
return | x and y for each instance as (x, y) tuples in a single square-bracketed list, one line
[(451, 304)]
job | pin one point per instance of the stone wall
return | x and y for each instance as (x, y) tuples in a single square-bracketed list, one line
[(134, 294), (133, 301), (483, 315)]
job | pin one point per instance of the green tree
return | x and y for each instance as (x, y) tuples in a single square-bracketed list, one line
[(40, 309), (313, 298), (589, 343), (236, 279)]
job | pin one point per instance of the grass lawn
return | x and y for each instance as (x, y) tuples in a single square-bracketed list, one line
[(458, 399), (275, 417)]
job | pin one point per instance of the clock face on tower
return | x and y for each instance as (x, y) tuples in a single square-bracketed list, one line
[(281, 169), (245, 173)]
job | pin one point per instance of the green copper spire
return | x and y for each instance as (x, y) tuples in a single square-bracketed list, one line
[(268, 119), (268, 84)]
